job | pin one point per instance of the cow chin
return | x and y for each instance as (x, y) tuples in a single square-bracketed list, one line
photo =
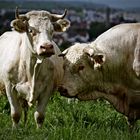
[(66, 95)]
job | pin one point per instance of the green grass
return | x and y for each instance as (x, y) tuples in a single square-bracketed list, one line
[(92, 120)]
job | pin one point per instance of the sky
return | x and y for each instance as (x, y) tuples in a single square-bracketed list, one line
[(111, 3), (115, 3), (119, 3)]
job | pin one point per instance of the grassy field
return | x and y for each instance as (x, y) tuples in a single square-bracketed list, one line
[(94, 120)]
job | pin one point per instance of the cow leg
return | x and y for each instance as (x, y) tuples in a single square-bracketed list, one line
[(39, 118), (131, 124), (25, 108), (39, 114), (24, 105), (14, 104), (41, 105), (32, 97)]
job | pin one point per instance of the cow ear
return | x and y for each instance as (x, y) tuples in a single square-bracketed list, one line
[(61, 25), (99, 60), (96, 59), (19, 25), (63, 53)]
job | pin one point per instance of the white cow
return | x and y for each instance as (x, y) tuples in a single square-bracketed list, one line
[(106, 68), (22, 52)]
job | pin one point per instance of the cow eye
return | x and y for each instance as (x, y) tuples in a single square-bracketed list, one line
[(30, 30), (33, 31), (51, 32), (45, 18), (80, 67), (75, 69)]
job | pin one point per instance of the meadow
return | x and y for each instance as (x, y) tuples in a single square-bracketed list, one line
[(77, 120)]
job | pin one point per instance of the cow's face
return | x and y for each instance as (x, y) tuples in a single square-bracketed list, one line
[(81, 68), (41, 25), (42, 33)]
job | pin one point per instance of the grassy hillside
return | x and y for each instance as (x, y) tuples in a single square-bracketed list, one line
[(95, 120)]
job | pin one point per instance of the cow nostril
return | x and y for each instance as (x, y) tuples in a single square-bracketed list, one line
[(50, 46), (62, 90), (42, 47), (65, 91)]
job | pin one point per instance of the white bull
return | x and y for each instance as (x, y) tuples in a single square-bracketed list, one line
[(106, 68), (22, 51)]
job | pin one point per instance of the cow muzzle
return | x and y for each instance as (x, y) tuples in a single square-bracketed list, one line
[(46, 50), (64, 92)]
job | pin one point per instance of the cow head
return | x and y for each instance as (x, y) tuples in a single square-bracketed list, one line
[(40, 26), (82, 65)]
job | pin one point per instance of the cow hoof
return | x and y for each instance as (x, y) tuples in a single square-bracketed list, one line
[(30, 104)]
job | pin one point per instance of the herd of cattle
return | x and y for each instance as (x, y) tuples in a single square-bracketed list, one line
[(32, 67)]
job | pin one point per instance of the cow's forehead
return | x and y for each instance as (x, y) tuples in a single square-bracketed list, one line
[(75, 52), (39, 20), (38, 14)]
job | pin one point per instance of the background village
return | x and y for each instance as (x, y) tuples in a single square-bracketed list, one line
[(87, 20), (72, 119)]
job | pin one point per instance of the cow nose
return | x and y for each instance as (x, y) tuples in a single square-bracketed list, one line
[(47, 50), (46, 46), (63, 91)]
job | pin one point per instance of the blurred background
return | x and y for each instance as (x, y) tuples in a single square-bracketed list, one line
[(96, 120), (89, 18)]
